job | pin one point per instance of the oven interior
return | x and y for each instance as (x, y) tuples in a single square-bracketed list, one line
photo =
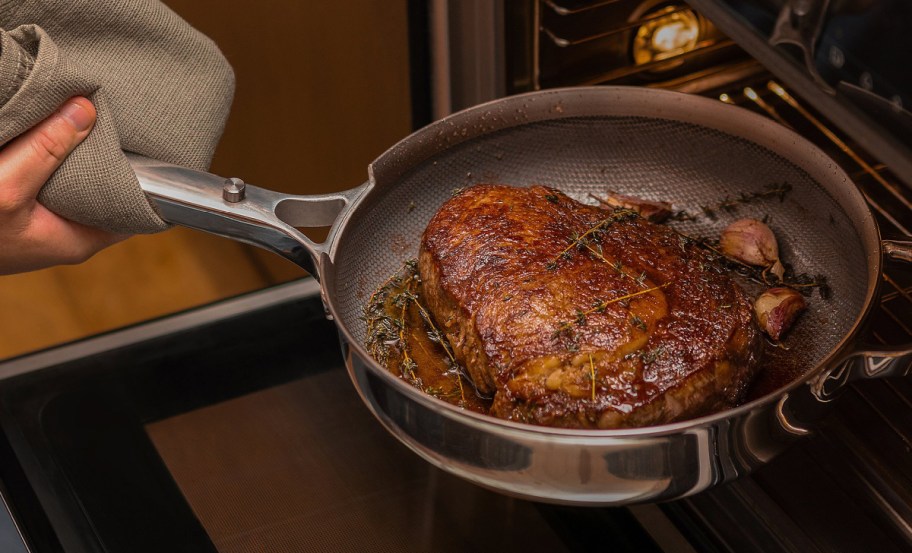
[(849, 487)]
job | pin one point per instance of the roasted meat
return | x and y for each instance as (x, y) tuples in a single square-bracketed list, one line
[(576, 316)]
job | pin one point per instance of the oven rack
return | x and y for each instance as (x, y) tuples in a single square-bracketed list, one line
[(591, 42), (848, 487), (576, 37)]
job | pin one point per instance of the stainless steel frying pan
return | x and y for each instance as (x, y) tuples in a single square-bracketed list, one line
[(660, 145)]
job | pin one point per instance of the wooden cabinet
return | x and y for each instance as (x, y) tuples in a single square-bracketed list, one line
[(322, 90)]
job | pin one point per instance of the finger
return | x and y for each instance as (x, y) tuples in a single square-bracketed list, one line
[(27, 162), (52, 240)]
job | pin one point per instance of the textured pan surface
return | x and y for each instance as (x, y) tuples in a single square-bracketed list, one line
[(687, 164)]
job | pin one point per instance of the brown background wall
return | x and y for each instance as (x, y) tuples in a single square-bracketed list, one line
[(322, 89)]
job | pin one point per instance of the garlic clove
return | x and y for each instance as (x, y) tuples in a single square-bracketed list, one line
[(752, 242), (653, 210), (777, 309)]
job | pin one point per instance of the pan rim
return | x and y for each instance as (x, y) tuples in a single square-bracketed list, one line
[(764, 132)]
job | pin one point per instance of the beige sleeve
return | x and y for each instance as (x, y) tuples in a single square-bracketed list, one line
[(161, 89)]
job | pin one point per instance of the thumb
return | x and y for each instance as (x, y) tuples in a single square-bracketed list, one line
[(30, 159)]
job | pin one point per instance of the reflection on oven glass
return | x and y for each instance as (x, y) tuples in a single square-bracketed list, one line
[(304, 467)]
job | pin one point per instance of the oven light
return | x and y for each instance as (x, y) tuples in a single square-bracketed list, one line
[(669, 32)]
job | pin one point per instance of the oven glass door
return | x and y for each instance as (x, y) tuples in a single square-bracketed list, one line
[(244, 434)]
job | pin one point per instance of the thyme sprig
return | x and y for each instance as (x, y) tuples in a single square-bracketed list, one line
[(387, 317), (650, 356), (599, 307), (803, 282), (581, 241), (437, 337), (408, 365), (596, 251), (383, 330), (440, 393), (731, 204), (592, 375)]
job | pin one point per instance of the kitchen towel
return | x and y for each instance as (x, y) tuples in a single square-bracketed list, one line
[(161, 88)]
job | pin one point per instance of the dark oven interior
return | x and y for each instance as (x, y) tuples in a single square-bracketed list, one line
[(849, 487)]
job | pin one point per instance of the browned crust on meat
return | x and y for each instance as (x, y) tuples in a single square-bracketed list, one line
[(545, 332)]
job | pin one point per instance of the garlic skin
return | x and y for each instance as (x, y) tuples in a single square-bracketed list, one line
[(752, 242), (654, 211), (777, 309)]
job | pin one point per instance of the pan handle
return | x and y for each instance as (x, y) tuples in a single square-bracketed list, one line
[(882, 362), (236, 210), (899, 250), (866, 360), (798, 409)]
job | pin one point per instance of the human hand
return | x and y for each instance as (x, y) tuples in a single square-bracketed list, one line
[(31, 236)]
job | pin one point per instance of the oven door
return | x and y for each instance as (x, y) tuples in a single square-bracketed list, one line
[(235, 428)]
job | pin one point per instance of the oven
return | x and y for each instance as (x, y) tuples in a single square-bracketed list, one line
[(234, 428), (830, 70)]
